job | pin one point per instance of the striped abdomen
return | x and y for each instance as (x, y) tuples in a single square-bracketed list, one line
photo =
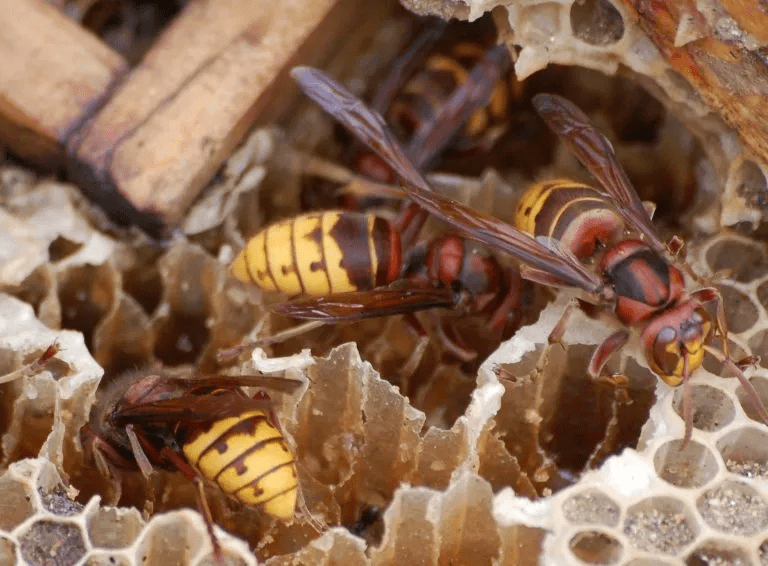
[(580, 217), (320, 253), (423, 95), (247, 457)]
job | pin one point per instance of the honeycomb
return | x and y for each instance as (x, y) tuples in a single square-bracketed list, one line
[(520, 459), (700, 504)]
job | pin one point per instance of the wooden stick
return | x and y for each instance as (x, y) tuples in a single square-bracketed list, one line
[(218, 68), (53, 77)]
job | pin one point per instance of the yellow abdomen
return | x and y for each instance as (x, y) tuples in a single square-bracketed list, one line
[(248, 458), (320, 253), (581, 218)]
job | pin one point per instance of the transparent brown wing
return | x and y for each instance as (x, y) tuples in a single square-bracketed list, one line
[(434, 135), (191, 408), (406, 63), (475, 92), (371, 129), (596, 153), (358, 305)]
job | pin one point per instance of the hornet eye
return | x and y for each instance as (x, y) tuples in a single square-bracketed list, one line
[(666, 351)]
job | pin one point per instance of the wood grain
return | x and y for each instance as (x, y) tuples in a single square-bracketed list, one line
[(54, 74), (720, 55)]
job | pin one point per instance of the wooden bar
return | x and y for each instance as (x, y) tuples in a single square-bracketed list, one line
[(53, 75), (218, 68)]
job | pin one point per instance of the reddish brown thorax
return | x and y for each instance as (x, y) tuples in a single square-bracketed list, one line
[(645, 283)]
